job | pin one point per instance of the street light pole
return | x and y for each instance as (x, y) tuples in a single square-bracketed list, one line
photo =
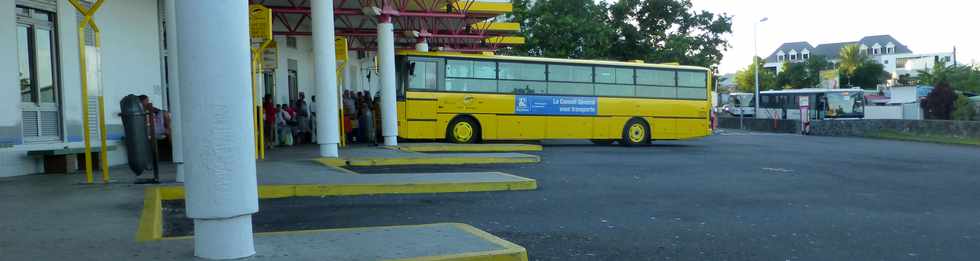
[(757, 67)]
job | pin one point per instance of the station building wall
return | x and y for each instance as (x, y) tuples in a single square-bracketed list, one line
[(130, 61)]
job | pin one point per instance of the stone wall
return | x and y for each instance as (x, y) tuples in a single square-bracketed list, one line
[(862, 128)]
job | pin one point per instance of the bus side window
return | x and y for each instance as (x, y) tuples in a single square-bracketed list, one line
[(422, 75)]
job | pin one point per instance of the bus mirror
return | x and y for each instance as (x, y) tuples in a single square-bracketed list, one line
[(411, 69)]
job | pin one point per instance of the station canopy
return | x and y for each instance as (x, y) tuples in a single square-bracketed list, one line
[(446, 25)]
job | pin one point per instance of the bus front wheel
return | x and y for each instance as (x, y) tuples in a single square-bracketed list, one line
[(463, 130), (636, 132)]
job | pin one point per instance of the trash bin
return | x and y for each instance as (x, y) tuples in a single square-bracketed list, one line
[(138, 147)]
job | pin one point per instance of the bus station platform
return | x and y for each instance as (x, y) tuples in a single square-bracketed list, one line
[(125, 221), (453, 155)]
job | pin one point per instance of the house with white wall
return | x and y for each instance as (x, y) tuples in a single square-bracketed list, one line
[(898, 60)]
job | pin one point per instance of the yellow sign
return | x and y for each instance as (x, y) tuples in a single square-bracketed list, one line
[(260, 21), (829, 79), (341, 47)]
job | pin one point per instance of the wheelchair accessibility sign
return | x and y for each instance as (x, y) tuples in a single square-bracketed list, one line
[(556, 105)]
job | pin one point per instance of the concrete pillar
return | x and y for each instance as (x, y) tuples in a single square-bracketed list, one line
[(214, 76), (174, 85), (325, 65), (389, 111)]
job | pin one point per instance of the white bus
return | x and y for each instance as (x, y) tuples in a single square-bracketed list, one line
[(824, 104), (738, 104)]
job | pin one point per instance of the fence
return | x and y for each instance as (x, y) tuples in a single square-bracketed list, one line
[(909, 111), (764, 125)]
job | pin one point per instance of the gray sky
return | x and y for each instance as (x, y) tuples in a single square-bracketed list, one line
[(924, 26)]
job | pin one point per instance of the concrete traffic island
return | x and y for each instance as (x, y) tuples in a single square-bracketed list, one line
[(443, 241), (287, 183), (399, 156)]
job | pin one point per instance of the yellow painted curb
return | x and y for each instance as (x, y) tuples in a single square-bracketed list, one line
[(151, 218), (335, 164), (469, 147), (369, 162)]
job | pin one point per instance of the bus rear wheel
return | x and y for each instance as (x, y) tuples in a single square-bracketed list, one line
[(463, 130), (636, 132)]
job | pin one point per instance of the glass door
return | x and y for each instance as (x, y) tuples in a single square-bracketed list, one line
[(38, 76)]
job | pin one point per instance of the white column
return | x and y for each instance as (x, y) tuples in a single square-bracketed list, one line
[(214, 76), (386, 51), (325, 65), (174, 85)]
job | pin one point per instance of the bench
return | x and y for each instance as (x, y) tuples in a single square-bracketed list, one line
[(67, 160)]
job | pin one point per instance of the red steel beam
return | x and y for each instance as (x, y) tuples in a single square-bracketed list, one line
[(356, 12), (463, 50), (371, 33)]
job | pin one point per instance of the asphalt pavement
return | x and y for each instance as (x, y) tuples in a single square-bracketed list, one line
[(733, 196)]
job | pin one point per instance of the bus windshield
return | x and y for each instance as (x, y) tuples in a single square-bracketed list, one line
[(741, 100), (843, 104)]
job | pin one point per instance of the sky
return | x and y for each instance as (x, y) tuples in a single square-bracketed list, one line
[(924, 26)]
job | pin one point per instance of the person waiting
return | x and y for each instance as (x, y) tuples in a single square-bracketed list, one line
[(269, 110), (159, 120)]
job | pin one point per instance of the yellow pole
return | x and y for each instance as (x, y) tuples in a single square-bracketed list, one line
[(255, 117), (340, 95), (87, 13), (103, 153), (256, 108), (261, 109)]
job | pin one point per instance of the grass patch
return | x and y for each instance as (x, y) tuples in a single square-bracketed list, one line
[(894, 135)]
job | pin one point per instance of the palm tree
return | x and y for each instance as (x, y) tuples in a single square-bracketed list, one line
[(938, 74), (851, 58)]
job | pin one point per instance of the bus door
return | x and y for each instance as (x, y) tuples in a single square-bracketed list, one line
[(423, 80)]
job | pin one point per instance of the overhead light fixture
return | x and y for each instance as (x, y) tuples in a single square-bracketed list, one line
[(422, 46), (371, 10), (411, 34)]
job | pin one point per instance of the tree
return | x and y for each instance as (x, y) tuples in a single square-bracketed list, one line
[(656, 31), (935, 75), (662, 31), (564, 29), (793, 76), (868, 75), (960, 78), (745, 78), (851, 58), (802, 75), (939, 103), (815, 65), (964, 110)]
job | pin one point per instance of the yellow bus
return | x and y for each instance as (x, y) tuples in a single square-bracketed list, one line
[(466, 98)]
